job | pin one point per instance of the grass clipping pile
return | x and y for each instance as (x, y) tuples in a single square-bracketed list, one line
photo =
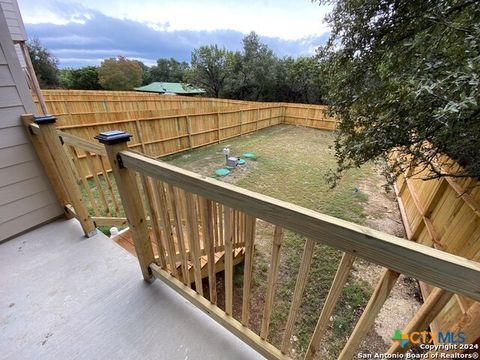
[(291, 166)]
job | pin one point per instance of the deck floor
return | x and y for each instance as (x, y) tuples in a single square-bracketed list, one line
[(66, 297)]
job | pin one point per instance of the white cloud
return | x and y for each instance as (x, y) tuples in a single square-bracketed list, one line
[(286, 19)]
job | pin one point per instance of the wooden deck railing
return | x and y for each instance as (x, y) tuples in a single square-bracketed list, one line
[(190, 216), (200, 195)]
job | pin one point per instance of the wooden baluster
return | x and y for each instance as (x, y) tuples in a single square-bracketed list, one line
[(298, 293), (221, 236), (167, 226), (228, 214), (248, 268), (98, 185), (380, 294), (333, 295), (208, 240), (272, 280), (84, 181), (115, 142), (192, 227), (109, 185), (215, 225), (154, 218), (176, 197)]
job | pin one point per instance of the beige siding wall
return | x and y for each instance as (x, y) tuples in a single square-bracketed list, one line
[(26, 198), (14, 20)]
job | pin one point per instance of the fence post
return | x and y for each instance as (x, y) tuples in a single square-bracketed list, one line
[(116, 141), (189, 129), (218, 127), (241, 122), (51, 139)]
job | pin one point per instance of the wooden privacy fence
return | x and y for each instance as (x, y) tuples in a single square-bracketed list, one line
[(167, 135), (72, 107), (444, 214), (164, 125), (205, 197)]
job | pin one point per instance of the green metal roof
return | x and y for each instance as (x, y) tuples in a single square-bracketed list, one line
[(168, 87)]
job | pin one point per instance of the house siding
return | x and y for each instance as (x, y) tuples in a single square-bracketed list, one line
[(13, 18), (26, 197)]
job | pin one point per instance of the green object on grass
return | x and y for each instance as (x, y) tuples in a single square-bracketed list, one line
[(249, 155), (241, 162), (222, 172)]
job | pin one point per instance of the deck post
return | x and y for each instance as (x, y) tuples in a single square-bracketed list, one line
[(48, 164), (116, 141), (50, 138)]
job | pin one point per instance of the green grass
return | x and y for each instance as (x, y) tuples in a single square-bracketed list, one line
[(291, 165), (98, 201)]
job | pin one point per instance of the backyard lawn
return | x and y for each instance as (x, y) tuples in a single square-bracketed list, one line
[(291, 163)]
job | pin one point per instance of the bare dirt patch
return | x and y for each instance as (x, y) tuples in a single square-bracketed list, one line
[(404, 300)]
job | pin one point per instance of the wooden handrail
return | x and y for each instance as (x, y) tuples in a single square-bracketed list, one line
[(447, 271), (82, 144)]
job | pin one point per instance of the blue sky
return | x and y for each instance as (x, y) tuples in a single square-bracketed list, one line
[(84, 33)]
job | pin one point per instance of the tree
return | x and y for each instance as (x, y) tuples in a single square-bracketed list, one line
[(404, 75), (44, 64), (119, 74), (299, 80), (169, 70), (251, 73), (209, 69), (146, 73), (85, 78)]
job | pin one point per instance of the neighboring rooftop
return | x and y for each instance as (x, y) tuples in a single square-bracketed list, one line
[(171, 88)]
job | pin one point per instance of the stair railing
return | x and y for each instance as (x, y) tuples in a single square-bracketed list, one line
[(201, 200)]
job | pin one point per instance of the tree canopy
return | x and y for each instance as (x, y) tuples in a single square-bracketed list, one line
[(44, 64), (404, 75), (120, 74), (209, 69), (168, 70), (85, 78)]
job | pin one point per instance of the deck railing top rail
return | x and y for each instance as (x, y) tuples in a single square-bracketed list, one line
[(436, 267)]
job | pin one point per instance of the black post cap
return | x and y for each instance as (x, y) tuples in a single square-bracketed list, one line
[(47, 119), (113, 137)]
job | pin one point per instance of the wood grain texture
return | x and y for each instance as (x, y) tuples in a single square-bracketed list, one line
[(298, 293), (378, 298), (152, 208), (248, 267), (228, 241), (272, 280), (192, 226), (177, 197), (49, 137), (134, 211), (338, 283), (453, 273)]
